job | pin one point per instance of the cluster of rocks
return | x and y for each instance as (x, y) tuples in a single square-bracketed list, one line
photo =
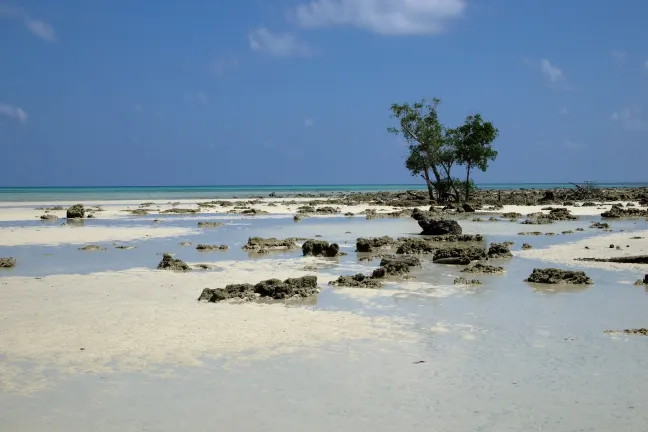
[(181, 211), (459, 255), (210, 224), (92, 248), (555, 214), (208, 247), (500, 250), (428, 245), (482, 268), (173, 264), (389, 266), (139, 212), (9, 262), (320, 248), (618, 211), (558, 276), (464, 281), (326, 210), (633, 259), (276, 289), (262, 245)]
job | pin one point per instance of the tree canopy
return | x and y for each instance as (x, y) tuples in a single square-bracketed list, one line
[(435, 149)]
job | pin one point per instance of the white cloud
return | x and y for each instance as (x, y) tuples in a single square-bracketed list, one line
[(13, 112), (277, 44), (308, 122), (630, 119), (389, 17), (40, 29), (551, 72), (619, 55)]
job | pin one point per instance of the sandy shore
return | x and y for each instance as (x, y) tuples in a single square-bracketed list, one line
[(598, 247), (58, 235), (26, 211), (140, 319)]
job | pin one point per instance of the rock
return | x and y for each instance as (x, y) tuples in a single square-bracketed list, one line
[(124, 247), (464, 281), (203, 266), (357, 281), (439, 227), (258, 243), (483, 268), (310, 268), (91, 248), (139, 212), (600, 225), (511, 215), (499, 250), (530, 233), (9, 262), (77, 211), (372, 244), (209, 224), (643, 281), (49, 217), (557, 276), (394, 266), (459, 255), (427, 245), (468, 208), (611, 246), (633, 259), (639, 331), (618, 211), (181, 210), (297, 218), (320, 248), (253, 212), (174, 264), (408, 260), (234, 291), (185, 243), (526, 246), (206, 247)]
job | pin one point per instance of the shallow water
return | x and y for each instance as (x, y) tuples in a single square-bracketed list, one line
[(504, 356)]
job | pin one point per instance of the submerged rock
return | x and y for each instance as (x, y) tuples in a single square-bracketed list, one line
[(174, 264), (483, 268), (320, 248), (511, 215), (557, 276), (139, 212), (357, 281), (464, 281), (49, 217), (305, 286), (90, 248), (459, 255), (526, 246), (207, 247), (499, 251), (600, 225), (639, 331), (439, 227), (9, 262), (76, 211), (210, 224)]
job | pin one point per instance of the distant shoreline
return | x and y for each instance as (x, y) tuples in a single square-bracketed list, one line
[(117, 193)]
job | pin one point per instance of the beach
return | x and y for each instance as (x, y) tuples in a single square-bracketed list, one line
[(95, 331)]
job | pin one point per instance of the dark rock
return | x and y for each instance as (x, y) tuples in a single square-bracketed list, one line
[(526, 246), (618, 211), (91, 248), (372, 244), (530, 233), (511, 215), (9, 262), (174, 264), (643, 281), (468, 208), (639, 331), (459, 255), (139, 212), (439, 227), (203, 266), (77, 211), (180, 211), (209, 224), (207, 247), (427, 245), (234, 291), (357, 281), (49, 217), (483, 268), (408, 260), (600, 225), (464, 281), (499, 250), (320, 248), (258, 243), (557, 276), (633, 259)]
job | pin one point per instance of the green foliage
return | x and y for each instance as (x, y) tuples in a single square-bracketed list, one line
[(434, 149)]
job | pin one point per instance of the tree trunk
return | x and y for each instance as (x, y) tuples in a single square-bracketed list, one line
[(467, 185), (426, 176)]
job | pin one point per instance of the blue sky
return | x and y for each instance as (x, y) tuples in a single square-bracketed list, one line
[(128, 92)]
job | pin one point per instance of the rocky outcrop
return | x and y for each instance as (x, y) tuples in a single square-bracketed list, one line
[(77, 211), (530, 233), (276, 289), (499, 251), (374, 243), (427, 245), (49, 217), (618, 211), (558, 276), (320, 248), (459, 255), (526, 246), (181, 211), (395, 266), (437, 227), (259, 243), (210, 224), (633, 259), (326, 210), (139, 212), (208, 247), (91, 248), (511, 215), (357, 281), (483, 268), (173, 264), (600, 225), (9, 262), (464, 281)]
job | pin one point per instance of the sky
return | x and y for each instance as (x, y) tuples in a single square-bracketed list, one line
[(122, 92)]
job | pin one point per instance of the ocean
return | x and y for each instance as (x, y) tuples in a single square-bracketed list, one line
[(108, 193)]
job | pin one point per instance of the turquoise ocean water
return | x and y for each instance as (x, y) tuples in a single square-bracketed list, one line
[(49, 194)]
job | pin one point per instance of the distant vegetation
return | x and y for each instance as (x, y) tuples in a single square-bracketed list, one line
[(436, 149)]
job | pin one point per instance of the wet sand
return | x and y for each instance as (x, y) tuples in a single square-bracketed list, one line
[(122, 346)]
